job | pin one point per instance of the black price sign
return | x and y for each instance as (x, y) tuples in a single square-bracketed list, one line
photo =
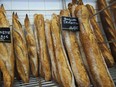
[(70, 23), (5, 35)]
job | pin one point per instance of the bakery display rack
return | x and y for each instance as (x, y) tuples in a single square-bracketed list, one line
[(39, 81)]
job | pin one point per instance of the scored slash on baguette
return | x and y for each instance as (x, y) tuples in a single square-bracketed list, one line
[(31, 46), (50, 48), (104, 49), (44, 59), (77, 66), (108, 26), (97, 67), (6, 53), (60, 54), (20, 49)]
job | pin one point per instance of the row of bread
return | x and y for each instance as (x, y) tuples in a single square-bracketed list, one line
[(54, 53)]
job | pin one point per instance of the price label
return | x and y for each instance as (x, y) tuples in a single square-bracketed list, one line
[(5, 35), (70, 23)]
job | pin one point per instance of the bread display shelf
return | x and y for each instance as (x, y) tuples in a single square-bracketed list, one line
[(34, 82), (40, 82)]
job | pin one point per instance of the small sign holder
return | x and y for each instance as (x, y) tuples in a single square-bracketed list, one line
[(70, 23), (5, 35)]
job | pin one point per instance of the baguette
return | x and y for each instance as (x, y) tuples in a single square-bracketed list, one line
[(6, 76), (70, 8), (104, 49), (44, 59), (31, 45), (16, 15), (73, 5), (73, 9), (80, 2), (6, 53), (96, 63), (75, 59), (108, 26), (20, 49), (60, 54), (49, 40), (38, 48)]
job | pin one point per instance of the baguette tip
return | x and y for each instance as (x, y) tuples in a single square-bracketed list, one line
[(13, 13), (26, 15), (2, 5), (16, 15), (3, 9), (27, 18)]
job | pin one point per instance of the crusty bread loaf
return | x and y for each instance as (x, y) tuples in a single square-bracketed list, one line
[(108, 26), (20, 50), (16, 15), (49, 40), (70, 8), (31, 46), (65, 72), (6, 53), (104, 49), (77, 66), (6, 76), (73, 5), (73, 9), (80, 2), (44, 59), (38, 48), (97, 66)]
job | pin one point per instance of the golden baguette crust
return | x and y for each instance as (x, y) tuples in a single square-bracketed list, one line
[(73, 5), (75, 59), (20, 49), (65, 72), (73, 9), (70, 8), (6, 53), (49, 40), (2, 8), (97, 66), (38, 47), (104, 49), (31, 46), (6, 76), (108, 26), (44, 59)]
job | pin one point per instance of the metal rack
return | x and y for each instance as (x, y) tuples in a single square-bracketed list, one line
[(34, 82), (113, 73), (40, 82)]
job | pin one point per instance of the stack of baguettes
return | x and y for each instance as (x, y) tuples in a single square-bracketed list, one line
[(108, 26), (97, 68), (104, 49), (60, 54), (6, 53), (55, 53), (100, 39), (73, 51)]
